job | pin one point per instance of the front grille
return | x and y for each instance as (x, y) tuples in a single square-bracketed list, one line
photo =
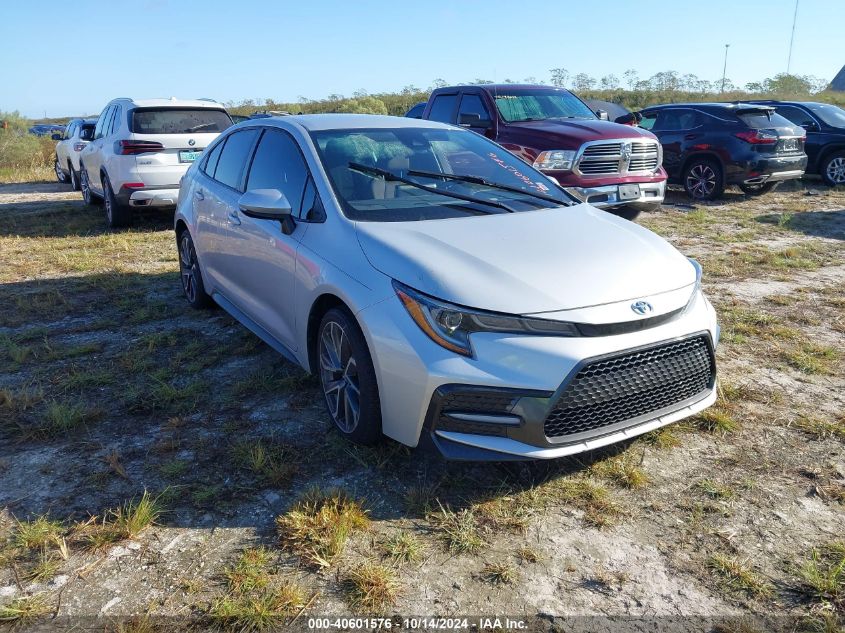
[(477, 402), (619, 157), (632, 384)]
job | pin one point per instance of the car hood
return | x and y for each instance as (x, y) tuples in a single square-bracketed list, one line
[(583, 130), (523, 263)]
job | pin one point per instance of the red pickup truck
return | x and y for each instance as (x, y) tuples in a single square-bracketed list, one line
[(611, 166)]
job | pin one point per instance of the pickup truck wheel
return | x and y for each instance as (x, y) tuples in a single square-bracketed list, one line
[(833, 169), (118, 215), (348, 377), (758, 190), (703, 180), (60, 175), (85, 186)]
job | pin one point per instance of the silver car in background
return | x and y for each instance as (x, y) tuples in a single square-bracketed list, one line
[(444, 291)]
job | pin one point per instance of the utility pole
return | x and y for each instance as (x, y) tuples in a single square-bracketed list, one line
[(792, 38), (725, 67)]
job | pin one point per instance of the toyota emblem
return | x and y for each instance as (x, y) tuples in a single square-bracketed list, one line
[(642, 307)]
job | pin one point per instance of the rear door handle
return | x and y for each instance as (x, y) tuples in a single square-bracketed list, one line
[(198, 195), (691, 137), (234, 218)]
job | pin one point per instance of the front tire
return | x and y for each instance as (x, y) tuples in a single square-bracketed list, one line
[(703, 180), (833, 169), (60, 175), (118, 215), (189, 271), (348, 378), (85, 187), (758, 190)]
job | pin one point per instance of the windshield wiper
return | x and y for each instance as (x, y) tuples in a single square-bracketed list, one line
[(390, 176), (482, 181)]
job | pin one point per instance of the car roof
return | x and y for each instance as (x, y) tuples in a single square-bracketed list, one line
[(503, 87), (172, 102), (734, 105), (318, 122)]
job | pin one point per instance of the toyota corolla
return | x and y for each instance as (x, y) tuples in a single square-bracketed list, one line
[(444, 291)]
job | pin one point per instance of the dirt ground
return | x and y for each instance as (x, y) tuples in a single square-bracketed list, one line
[(110, 387)]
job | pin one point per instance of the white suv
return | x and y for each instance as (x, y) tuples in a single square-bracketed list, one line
[(77, 135), (142, 148)]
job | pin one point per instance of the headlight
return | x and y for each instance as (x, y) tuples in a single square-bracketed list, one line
[(449, 325), (555, 159), (697, 287)]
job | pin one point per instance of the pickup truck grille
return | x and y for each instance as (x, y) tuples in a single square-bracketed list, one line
[(619, 158)]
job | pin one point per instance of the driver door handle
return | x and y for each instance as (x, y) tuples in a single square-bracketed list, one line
[(198, 195), (234, 218)]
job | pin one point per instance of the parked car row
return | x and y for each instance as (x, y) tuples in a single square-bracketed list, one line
[(702, 146), (137, 152)]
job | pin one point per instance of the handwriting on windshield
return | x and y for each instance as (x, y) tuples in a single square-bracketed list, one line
[(539, 186)]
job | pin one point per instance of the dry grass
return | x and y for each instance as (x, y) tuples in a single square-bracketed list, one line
[(404, 547), (499, 573), (459, 530), (125, 522), (737, 576), (317, 527), (21, 611), (39, 533), (621, 471), (250, 572), (265, 610), (593, 500), (273, 463), (822, 429), (372, 587), (823, 575)]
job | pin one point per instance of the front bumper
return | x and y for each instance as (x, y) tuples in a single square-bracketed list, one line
[(608, 196), (414, 373)]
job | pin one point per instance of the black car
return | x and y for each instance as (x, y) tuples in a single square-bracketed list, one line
[(825, 126), (416, 110), (46, 129), (707, 146)]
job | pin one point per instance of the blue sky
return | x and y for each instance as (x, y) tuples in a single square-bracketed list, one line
[(254, 49)]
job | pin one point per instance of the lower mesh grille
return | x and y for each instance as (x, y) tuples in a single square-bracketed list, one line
[(477, 402), (632, 384)]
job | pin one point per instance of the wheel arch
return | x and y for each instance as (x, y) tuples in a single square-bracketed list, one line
[(321, 305), (830, 148), (702, 154)]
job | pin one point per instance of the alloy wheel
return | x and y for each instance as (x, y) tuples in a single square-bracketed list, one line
[(188, 267), (339, 377), (60, 175), (86, 188), (74, 185), (836, 170), (701, 181)]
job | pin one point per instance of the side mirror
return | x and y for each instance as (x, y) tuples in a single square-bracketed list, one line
[(86, 135), (265, 204), (810, 126), (474, 120), (56, 137), (602, 114)]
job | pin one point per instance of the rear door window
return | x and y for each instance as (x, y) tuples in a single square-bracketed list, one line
[(278, 164), (101, 122), (179, 120), (442, 108), (233, 158), (675, 119), (210, 164), (114, 125)]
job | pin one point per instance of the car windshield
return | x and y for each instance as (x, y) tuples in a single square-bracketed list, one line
[(179, 120), (536, 105), (368, 196), (830, 114)]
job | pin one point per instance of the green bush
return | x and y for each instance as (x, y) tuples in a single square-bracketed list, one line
[(20, 150)]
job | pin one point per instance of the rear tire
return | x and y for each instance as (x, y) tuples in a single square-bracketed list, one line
[(348, 378), (833, 169), (118, 215), (758, 190), (703, 179), (190, 274), (60, 175), (74, 177)]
